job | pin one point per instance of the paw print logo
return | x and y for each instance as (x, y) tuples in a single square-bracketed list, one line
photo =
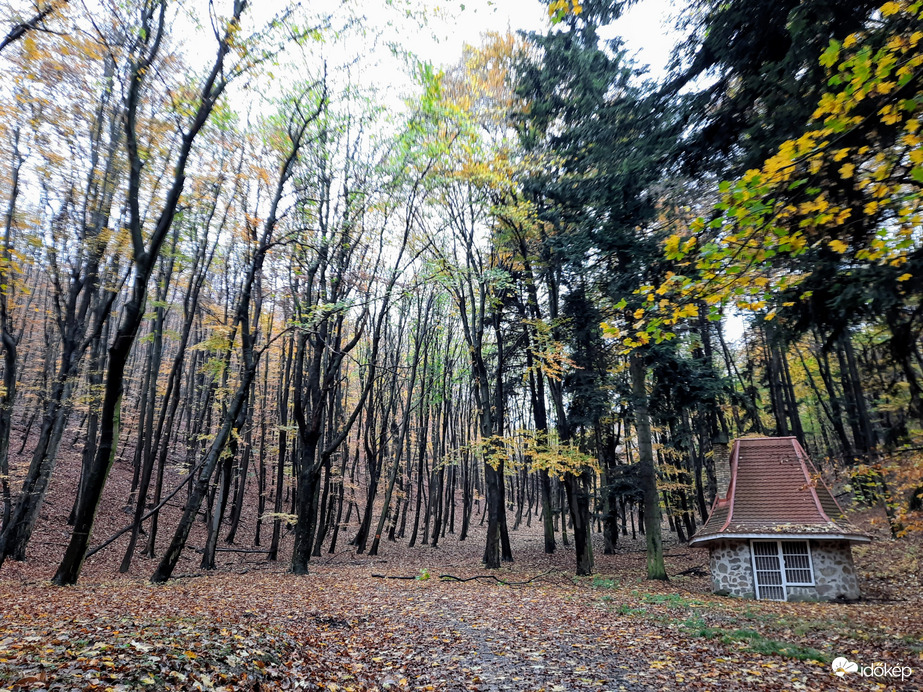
[(843, 665)]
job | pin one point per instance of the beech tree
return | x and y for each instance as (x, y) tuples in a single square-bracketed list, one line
[(142, 53), (299, 115), (79, 238), (363, 323)]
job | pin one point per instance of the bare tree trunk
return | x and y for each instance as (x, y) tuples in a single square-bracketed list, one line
[(647, 473), (144, 256), (283, 439), (8, 341), (203, 480)]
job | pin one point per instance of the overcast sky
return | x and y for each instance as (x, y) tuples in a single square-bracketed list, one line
[(646, 27), (431, 30)]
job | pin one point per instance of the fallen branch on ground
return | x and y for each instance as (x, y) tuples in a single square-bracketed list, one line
[(698, 571), (239, 550), (488, 577), (128, 528), (388, 576), (479, 577)]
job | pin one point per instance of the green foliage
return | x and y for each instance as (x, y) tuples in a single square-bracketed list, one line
[(626, 609), (603, 139), (758, 63), (672, 600), (825, 229), (604, 583), (755, 642)]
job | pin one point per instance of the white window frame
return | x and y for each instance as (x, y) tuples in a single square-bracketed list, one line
[(810, 563), (785, 582)]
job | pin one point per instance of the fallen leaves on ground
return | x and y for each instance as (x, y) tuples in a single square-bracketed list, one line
[(341, 629), (252, 626)]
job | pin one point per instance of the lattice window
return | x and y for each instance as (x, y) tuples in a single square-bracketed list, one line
[(797, 559), (778, 565), (767, 570)]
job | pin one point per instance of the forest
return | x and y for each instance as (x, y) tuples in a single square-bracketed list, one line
[(261, 312)]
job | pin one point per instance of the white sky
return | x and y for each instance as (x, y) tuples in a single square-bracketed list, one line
[(648, 31), (646, 27), (439, 38)]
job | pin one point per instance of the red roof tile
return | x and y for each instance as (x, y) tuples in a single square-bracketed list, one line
[(775, 490)]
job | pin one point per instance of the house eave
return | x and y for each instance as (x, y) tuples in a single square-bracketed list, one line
[(854, 538)]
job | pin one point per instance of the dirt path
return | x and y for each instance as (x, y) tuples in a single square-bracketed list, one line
[(252, 626), (341, 629)]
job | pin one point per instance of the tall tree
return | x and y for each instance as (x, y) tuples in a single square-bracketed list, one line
[(758, 64), (80, 200), (604, 139), (143, 53)]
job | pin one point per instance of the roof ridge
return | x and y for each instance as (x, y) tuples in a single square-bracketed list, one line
[(732, 488), (812, 488)]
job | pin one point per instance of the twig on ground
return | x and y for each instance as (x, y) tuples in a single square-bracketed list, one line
[(336, 555)]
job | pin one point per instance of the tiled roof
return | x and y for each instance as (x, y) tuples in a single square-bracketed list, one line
[(775, 490)]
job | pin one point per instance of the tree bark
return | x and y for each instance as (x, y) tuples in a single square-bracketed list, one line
[(647, 473)]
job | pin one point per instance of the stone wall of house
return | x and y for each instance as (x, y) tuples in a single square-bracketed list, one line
[(834, 572), (835, 577), (731, 568)]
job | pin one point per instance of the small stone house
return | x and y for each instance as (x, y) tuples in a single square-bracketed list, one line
[(775, 531)]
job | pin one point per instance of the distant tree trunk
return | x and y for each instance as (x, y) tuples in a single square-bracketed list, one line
[(203, 479), (902, 346), (280, 459), (467, 499), (323, 518), (858, 407), (261, 469), (791, 400), (578, 500), (607, 441), (494, 508), (94, 382), (834, 401), (145, 451), (243, 471), (438, 487), (422, 432), (8, 341), (222, 491), (647, 472), (376, 447), (540, 414), (438, 481), (404, 428), (340, 490)]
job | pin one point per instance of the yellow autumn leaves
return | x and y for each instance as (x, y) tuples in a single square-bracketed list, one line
[(858, 166), (558, 9), (536, 450)]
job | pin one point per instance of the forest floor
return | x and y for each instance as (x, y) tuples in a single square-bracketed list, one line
[(252, 626)]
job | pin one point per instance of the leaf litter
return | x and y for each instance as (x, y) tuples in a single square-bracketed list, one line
[(531, 625), (340, 628)]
